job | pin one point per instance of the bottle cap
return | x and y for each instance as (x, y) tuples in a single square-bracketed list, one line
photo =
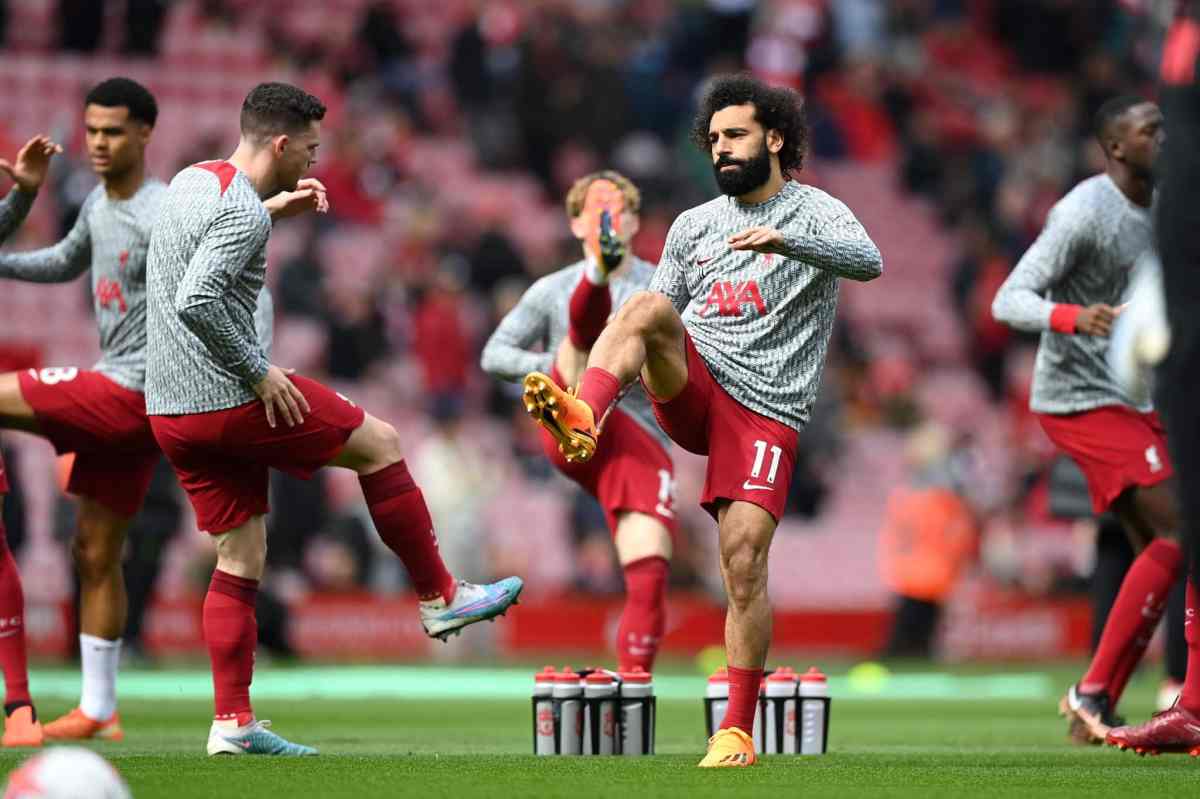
[(547, 674), (812, 675), (636, 675), (599, 678), (783, 674), (566, 675)]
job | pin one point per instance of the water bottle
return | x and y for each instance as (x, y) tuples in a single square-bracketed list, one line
[(760, 713), (716, 700), (637, 713), (543, 712), (780, 713), (568, 712), (814, 712), (600, 714)]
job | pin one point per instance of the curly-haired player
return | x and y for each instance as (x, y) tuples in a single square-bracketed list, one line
[(730, 342)]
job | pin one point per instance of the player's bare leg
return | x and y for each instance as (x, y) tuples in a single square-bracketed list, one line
[(644, 550), (402, 520), (103, 605), (646, 337), (746, 531), (1151, 519), (21, 727), (15, 412)]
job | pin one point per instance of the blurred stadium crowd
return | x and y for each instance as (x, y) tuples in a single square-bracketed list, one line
[(455, 129)]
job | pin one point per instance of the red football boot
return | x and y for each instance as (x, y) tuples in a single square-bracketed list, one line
[(1175, 730)]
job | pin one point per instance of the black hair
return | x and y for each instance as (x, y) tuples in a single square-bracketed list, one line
[(775, 108), (117, 92), (1106, 116), (274, 108)]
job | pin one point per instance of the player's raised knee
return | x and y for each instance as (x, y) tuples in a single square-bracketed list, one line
[(647, 313)]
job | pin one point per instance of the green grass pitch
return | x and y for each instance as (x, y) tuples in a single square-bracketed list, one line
[(456, 748)]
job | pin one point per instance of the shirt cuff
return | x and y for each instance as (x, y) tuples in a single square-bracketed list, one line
[(1062, 318)]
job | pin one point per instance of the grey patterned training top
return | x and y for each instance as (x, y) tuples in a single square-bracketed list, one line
[(204, 274), (762, 321), (1084, 255), (110, 236), (541, 318)]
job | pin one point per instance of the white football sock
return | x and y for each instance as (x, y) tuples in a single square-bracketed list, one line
[(98, 659)]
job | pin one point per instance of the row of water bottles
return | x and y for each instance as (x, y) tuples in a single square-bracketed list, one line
[(793, 711), (593, 712)]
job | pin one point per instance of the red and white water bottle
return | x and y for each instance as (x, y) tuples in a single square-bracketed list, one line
[(637, 713), (780, 716), (543, 711), (568, 711), (716, 700), (814, 712), (600, 714)]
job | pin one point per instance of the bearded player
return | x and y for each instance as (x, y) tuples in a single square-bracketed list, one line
[(1070, 285), (224, 415), (552, 329), (730, 342)]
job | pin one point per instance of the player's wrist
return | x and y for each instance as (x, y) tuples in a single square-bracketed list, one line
[(1064, 317)]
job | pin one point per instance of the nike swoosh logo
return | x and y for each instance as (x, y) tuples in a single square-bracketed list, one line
[(1193, 728), (748, 486), (702, 261), (244, 744)]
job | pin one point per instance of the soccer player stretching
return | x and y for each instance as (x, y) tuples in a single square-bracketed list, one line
[(632, 476), (730, 343), (21, 725), (224, 415), (1070, 285)]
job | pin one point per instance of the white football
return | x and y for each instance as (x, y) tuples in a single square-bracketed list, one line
[(66, 772)]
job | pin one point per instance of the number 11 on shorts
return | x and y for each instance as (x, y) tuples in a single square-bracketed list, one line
[(760, 457)]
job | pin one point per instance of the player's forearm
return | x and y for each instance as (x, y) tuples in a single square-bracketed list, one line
[(854, 258), (510, 363), (1022, 308), (210, 322), (57, 264), (13, 210)]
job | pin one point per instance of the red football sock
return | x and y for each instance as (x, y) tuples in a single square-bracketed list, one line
[(1134, 615), (642, 622), (231, 634), (743, 698), (589, 310), (398, 509), (12, 626), (1189, 698), (598, 389)]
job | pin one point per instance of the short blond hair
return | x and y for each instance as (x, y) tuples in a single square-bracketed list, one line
[(578, 192)]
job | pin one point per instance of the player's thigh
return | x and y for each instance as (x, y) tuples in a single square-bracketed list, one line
[(570, 361), (112, 486), (100, 535), (665, 372), (640, 535), (1153, 508), (15, 412), (373, 445)]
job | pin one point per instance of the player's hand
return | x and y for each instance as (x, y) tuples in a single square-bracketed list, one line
[(281, 396), (1096, 320), (612, 249), (29, 169), (757, 239), (309, 195)]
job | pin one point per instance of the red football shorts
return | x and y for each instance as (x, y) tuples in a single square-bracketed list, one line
[(222, 457), (1116, 447), (104, 424), (750, 457), (630, 471)]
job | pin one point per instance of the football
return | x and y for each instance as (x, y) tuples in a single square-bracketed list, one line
[(68, 772)]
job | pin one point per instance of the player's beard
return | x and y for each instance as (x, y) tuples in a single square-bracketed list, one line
[(748, 176)]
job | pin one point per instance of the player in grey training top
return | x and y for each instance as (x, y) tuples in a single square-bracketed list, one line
[(1070, 286), (729, 343)]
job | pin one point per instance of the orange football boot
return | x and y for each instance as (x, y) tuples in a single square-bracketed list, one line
[(76, 726), (729, 748), (569, 419), (22, 728)]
